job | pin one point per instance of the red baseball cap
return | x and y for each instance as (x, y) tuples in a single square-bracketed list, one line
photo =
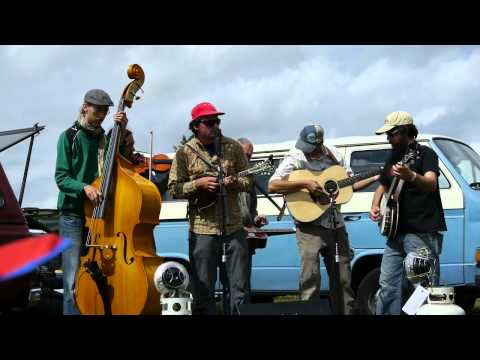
[(204, 109)]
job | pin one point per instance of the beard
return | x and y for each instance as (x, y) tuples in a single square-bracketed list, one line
[(399, 150)]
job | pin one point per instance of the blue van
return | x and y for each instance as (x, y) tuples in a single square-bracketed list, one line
[(276, 268)]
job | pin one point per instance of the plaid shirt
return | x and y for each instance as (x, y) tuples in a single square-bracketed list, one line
[(188, 166)]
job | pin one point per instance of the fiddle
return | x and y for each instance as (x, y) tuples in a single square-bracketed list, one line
[(160, 163)]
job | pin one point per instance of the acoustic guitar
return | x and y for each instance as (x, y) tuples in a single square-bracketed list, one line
[(389, 205), (306, 207)]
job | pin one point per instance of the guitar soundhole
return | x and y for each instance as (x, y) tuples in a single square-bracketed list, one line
[(331, 187)]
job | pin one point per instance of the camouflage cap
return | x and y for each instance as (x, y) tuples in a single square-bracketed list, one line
[(395, 119), (98, 97), (310, 137)]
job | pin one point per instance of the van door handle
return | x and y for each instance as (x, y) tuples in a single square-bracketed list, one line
[(352, 218)]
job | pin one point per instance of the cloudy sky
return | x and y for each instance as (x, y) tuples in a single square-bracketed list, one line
[(267, 92)]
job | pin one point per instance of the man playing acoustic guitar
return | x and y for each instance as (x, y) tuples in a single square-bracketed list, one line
[(316, 237), (420, 216)]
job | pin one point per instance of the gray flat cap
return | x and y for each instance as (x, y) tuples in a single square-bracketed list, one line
[(98, 97)]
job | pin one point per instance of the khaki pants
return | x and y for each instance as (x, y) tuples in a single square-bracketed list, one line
[(314, 240)]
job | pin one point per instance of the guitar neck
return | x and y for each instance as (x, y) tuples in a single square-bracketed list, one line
[(352, 180)]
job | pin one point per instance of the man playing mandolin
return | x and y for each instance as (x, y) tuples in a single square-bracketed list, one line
[(80, 154), (316, 237), (214, 230), (420, 215)]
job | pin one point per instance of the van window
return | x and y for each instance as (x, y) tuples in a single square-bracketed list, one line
[(465, 160), (361, 161), (2, 199), (262, 178), (365, 160)]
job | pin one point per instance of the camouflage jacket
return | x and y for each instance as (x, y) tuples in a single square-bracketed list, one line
[(188, 166)]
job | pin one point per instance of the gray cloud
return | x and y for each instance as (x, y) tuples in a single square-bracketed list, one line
[(267, 92)]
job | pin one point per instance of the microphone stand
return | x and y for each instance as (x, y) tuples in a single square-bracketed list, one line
[(331, 187), (225, 220)]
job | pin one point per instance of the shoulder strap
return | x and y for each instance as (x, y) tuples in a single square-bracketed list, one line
[(72, 133), (206, 161), (331, 156)]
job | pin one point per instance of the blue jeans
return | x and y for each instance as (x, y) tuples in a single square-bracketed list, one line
[(392, 274), (205, 256), (70, 227)]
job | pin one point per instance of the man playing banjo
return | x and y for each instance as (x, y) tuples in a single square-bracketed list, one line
[(420, 215)]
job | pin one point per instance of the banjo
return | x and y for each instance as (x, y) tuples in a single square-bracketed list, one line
[(389, 205)]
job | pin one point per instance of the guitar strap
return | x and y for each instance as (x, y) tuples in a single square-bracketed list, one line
[(331, 156), (195, 200), (326, 152), (201, 157)]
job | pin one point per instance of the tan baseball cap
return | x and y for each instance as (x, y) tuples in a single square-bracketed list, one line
[(394, 119)]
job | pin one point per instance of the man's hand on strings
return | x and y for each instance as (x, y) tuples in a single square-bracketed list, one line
[(207, 183), (313, 187), (375, 213), (121, 118), (93, 194), (402, 172)]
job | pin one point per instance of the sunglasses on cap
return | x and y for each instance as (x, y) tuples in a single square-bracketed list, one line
[(210, 122)]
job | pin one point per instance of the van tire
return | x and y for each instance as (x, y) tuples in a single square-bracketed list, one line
[(366, 293)]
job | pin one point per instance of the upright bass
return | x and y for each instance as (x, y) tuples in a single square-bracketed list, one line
[(119, 261)]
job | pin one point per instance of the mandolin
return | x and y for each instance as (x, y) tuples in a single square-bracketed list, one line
[(206, 199)]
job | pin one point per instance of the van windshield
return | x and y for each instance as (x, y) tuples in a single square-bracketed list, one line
[(464, 158)]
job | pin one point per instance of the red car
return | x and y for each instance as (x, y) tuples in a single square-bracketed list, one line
[(14, 293)]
